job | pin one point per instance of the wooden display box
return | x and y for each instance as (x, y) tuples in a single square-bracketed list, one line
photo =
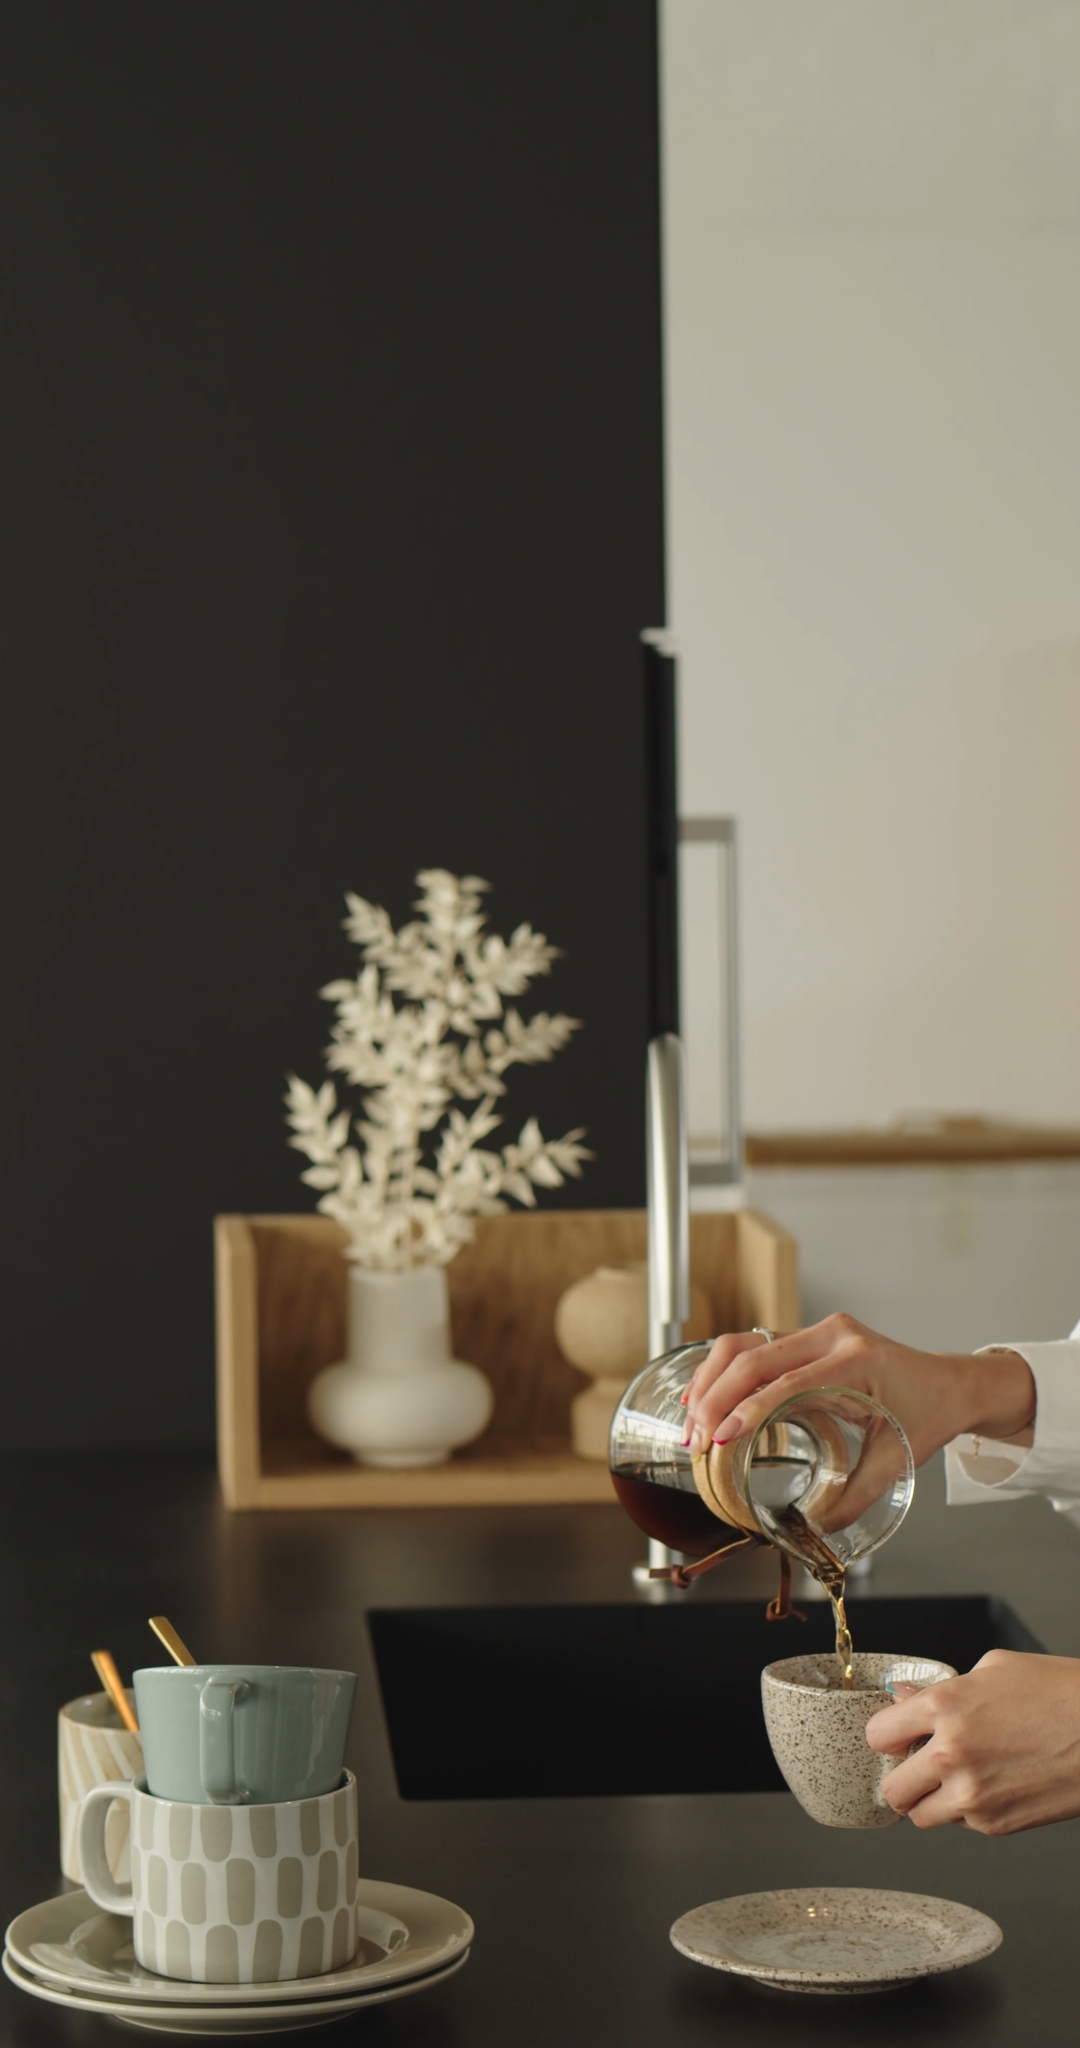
[(281, 1284)]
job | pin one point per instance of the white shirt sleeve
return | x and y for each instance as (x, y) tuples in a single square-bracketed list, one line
[(979, 1470)]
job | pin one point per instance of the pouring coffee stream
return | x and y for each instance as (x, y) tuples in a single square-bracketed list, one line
[(825, 1479), (829, 1573)]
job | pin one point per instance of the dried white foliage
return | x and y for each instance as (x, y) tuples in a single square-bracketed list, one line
[(410, 1034)]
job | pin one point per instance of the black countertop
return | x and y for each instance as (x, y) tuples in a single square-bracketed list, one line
[(572, 1898)]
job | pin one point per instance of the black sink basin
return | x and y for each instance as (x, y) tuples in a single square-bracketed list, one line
[(528, 1702)]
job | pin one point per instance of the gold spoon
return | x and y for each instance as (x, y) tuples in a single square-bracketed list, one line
[(110, 1678), (166, 1634)]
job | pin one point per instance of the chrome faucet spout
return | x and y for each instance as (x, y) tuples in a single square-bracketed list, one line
[(668, 1197), (668, 1182)]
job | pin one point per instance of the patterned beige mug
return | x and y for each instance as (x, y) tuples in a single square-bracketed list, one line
[(231, 1894), (94, 1748)]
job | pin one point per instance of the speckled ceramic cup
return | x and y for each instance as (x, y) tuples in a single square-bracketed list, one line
[(231, 1894), (818, 1731)]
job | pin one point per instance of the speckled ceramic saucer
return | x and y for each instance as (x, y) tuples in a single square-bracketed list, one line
[(835, 1939)]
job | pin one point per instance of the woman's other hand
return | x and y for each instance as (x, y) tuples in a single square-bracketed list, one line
[(935, 1396), (1003, 1751)]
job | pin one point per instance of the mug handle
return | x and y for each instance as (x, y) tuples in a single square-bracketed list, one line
[(98, 1880), (217, 1750)]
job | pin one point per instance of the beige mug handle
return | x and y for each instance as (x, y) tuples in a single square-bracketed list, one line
[(98, 1880)]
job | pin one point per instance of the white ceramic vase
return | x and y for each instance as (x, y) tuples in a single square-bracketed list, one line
[(399, 1398)]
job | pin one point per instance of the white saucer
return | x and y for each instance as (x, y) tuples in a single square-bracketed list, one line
[(225, 2019), (835, 1939), (69, 1943)]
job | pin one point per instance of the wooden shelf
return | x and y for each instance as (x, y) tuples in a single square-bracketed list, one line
[(281, 1285), (498, 1480), (951, 1141)]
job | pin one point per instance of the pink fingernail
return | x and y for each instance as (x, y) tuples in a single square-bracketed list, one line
[(686, 1440), (735, 1428)]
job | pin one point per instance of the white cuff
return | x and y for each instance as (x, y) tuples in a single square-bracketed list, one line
[(985, 1471), (978, 1471)]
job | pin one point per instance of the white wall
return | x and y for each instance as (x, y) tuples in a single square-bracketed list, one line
[(872, 223), (944, 1257)]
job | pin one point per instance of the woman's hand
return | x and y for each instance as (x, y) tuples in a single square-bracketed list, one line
[(935, 1396), (1004, 1747)]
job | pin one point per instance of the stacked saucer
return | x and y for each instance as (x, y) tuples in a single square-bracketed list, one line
[(69, 1953)]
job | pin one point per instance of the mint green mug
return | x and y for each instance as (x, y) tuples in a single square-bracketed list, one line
[(242, 1734)]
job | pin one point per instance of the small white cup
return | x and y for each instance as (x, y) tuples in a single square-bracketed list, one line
[(818, 1731), (231, 1894)]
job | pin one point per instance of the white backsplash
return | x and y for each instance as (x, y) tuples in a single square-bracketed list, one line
[(945, 1257)]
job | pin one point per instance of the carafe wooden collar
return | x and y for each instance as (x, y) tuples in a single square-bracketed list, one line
[(714, 1479), (717, 1473), (716, 1482)]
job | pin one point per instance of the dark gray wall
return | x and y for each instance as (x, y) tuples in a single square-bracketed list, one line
[(330, 509)]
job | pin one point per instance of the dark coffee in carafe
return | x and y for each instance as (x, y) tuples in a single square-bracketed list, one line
[(669, 1513)]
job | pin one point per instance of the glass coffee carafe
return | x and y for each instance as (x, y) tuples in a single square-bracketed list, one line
[(826, 1478)]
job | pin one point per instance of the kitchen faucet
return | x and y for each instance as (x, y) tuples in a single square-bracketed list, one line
[(668, 1205), (667, 1144)]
